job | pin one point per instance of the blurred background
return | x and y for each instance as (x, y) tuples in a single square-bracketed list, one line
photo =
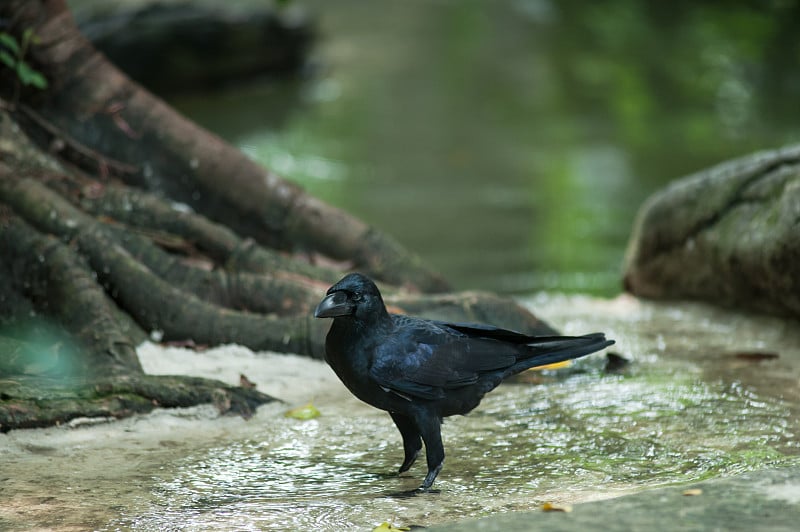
[(511, 142)]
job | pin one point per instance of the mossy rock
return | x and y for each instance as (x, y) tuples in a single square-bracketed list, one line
[(728, 235)]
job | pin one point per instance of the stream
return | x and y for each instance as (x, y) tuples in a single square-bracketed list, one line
[(708, 393)]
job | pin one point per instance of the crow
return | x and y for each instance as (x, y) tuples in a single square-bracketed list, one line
[(421, 371)]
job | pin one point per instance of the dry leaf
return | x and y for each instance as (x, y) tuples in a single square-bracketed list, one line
[(244, 382), (692, 492), (550, 507), (616, 363)]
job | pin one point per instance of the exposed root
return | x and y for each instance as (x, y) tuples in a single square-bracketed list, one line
[(160, 218), (30, 402), (62, 286), (119, 217), (154, 302)]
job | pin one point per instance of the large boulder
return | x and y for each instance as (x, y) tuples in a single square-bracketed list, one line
[(728, 235)]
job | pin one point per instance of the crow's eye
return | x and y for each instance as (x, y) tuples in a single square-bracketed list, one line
[(357, 297)]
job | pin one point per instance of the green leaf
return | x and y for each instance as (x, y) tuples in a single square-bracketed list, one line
[(38, 80), (24, 72), (9, 42), (304, 412), (29, 76), (389, 527), (7, 59)]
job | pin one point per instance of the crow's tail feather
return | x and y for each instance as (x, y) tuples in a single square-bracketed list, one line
[(545, 350)]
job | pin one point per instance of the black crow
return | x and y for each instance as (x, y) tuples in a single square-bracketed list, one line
[(420, 370)]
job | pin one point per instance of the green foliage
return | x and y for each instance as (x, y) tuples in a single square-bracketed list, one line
[(12, 55)]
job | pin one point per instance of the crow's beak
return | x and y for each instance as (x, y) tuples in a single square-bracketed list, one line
[(334, 304)]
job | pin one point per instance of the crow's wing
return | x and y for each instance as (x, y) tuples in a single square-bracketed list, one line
[(422, 358), (486, 331), (537, 345)]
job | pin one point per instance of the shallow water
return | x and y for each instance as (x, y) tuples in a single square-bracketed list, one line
[(686, 409)]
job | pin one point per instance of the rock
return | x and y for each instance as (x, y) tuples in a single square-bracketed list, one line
[(729, 235), (170, 46)]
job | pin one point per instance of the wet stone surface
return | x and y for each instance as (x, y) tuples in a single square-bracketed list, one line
[(762, 500)]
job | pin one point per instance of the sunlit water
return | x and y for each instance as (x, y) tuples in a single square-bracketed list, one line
[(686, 409), (589, 437)]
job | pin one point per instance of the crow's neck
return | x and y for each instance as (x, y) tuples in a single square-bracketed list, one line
[(373, 324)]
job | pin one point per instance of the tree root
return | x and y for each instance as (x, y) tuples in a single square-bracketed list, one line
[(81, 273), (31, 402), (129, 219), (89, 368), (169, 221), (61, 284), (155, 303), (475, 307), (90, 99)]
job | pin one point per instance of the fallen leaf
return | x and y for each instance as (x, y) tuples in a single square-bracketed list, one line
[(304, 413), (388, 527), (616, 363), (692, 492), (244, 382), (550, 507)]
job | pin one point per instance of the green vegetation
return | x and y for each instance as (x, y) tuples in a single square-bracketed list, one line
[(13, 55)]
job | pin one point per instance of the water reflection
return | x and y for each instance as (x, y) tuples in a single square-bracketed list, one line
[(510, 143)]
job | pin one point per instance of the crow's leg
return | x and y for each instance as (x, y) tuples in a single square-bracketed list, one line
[(412, 443), (430, 428)]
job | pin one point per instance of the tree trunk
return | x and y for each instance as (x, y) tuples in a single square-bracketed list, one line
[(119, 217)]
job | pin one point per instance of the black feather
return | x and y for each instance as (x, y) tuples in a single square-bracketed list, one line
[(423, 370)]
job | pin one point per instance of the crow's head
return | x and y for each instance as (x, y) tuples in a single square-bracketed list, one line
[(355, 295)]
